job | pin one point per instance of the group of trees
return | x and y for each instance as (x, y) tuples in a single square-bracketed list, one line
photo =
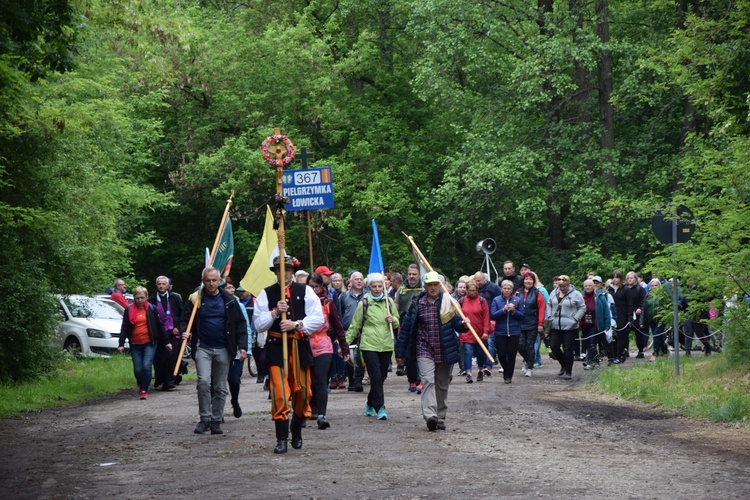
[(556, 127)]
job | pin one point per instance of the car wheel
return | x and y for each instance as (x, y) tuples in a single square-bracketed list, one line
[(73, 347)]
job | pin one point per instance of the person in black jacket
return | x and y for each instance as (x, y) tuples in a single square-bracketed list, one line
[(143, 330), (428, 336), (169, 308), (219, 333)]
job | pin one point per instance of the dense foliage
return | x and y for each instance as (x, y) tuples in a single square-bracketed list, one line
[(555, 127)]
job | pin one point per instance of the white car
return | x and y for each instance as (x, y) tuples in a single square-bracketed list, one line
[(89, 326)]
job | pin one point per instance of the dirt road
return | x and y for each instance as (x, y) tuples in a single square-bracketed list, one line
[(539, 437)]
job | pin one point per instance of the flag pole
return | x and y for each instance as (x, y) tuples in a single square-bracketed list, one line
[(198, 298), (455, 304)]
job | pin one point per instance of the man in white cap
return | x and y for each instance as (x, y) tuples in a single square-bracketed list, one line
[(427, 336)]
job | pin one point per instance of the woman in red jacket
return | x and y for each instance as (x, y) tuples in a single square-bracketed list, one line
[(475, 308)]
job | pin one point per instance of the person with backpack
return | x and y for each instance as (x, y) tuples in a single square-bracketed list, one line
[(372, 330), (476, 308)]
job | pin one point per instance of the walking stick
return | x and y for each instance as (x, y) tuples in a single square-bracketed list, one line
[(196, 306), (454, 303)]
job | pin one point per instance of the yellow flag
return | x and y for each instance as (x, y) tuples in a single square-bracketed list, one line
[(259, 274)]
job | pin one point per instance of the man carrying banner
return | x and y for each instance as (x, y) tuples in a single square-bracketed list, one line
[(428, 337), (304, 316), (219, 333)]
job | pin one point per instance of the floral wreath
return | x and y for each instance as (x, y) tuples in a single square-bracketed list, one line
[(270, 158)]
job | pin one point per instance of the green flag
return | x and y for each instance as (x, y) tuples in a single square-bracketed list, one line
[(225, 251)]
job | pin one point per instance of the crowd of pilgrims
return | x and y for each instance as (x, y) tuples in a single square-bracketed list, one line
[(515, 314)]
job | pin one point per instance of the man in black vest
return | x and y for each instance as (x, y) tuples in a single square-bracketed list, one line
[(304, 316)]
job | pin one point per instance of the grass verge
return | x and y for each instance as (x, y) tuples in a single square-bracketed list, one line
[(72, 380), (708, 387)]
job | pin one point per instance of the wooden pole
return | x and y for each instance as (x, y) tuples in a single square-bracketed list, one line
[(309, 241), (455, 304), (282, 255), (196, 306), (279, 153)]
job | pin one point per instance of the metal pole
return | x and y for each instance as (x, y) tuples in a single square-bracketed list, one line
[(675, 298)]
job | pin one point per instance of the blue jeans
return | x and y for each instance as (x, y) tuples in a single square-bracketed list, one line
[(471, 350), (143, 362), (660, 342), (491, 348), (537, 352), (337, 363)]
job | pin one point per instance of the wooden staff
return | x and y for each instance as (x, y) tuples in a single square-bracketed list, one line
[(279, 153), (388, 308), (197, 305), (455, 304)]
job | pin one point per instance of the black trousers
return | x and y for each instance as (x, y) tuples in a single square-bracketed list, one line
[(507, 348), (377, 367), (564, 339), (321, 365)]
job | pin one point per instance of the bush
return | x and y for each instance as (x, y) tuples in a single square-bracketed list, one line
[(29, 315), (737, 329)]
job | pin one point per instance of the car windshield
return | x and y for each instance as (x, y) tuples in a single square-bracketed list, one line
[(93, 308)]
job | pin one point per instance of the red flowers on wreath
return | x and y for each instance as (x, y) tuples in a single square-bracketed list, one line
[(271, 142)]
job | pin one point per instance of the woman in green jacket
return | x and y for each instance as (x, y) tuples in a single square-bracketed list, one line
[(374, 322)]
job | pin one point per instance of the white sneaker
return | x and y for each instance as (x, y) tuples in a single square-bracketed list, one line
[(527, 373), (500, 370)]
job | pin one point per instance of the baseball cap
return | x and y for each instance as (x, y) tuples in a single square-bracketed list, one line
[(431, 277), (597, 278), (324, 270)]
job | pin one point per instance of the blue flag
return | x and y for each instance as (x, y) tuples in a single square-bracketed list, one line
[(376, 258)]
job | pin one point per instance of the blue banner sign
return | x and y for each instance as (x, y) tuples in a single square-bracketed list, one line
[(308, 189)]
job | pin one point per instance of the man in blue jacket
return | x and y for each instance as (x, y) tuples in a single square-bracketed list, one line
[(428, 336)]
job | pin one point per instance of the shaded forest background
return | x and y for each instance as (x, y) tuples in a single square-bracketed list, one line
[(558, 128)]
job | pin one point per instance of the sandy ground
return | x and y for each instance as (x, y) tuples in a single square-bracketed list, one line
[(539, 437)]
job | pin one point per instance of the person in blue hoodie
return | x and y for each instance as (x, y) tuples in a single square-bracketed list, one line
[(507, 311)]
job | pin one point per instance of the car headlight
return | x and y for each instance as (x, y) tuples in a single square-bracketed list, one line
[(98, 334)]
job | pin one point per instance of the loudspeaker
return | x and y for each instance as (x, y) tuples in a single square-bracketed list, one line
[(486, 247)]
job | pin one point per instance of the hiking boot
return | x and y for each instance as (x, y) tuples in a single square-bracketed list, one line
[(216, 428), (323, 422), (202, 427), (237, 410), (432, 424)]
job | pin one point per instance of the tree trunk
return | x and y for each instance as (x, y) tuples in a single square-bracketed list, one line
[(555, 206), (606, 111)]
